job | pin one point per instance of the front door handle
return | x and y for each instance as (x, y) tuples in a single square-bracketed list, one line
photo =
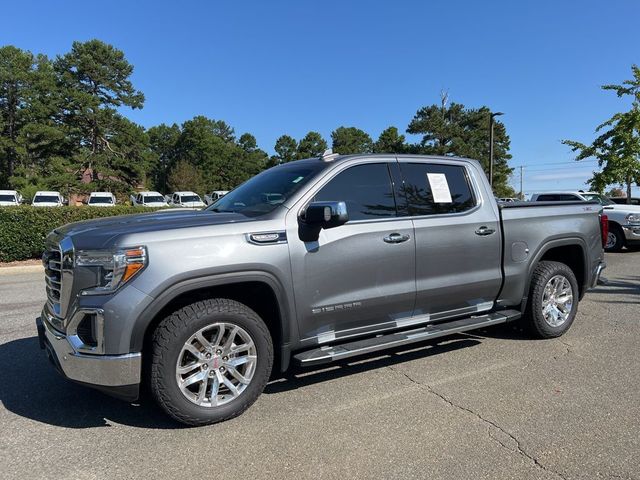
[(396, 238), (482, 231)]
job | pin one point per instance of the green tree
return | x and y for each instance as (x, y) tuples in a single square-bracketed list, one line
[(390, 141), (454, 130), (163, 141), (185, 176), (311, 145), (16, 71), (210, 145), (350, 140), (617, 148), (95, 78), (286, 149)]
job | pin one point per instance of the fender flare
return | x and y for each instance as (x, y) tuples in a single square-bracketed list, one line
[(184, 286), (544, 248)]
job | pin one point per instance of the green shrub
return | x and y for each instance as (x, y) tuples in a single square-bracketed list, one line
[(23, 229)]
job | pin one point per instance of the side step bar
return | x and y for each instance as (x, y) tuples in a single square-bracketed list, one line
[(332, 353)]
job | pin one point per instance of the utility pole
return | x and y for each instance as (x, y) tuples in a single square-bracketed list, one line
[(491, 116), (521, 173)]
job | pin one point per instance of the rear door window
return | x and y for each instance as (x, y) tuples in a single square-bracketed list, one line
[(431, 188)]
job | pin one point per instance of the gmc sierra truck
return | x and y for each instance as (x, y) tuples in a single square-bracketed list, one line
[(312, 261)]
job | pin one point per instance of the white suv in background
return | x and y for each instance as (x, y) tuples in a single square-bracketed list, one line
[(186, 199), (215, 196), (10, 198), (148, 199), (47, 199), (101, 199), (624, 220)]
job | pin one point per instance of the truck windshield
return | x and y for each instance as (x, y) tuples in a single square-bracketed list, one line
[(152, 199), (100, 200), (7, 198), (46, 199), (264, 192), (590, 197), (189, 198)]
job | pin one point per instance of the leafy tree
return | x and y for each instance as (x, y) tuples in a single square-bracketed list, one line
[(311, 145), (185, 176), (210, 145), (286, 149), (390, 141), (163, 140), (248, 142), (350, 140), (456, 130), (617, 148), (17, 70), (95, 78), (615, 192)]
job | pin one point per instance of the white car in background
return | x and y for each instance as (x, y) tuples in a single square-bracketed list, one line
[(215, 196), (10, 198), (186, 200), (101, 199), (47, 199), (148, 199), (624, 220)]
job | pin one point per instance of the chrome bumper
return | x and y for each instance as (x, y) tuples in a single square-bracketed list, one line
[(631, 232), (98, 370)]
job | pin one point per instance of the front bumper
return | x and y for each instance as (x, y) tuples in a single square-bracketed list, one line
[(631, 233), (118, 375)]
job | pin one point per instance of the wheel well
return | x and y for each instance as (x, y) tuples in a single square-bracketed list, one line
[(613, 224), (256, 295), (573, 257)]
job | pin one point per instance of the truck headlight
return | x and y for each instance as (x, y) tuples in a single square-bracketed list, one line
[(633, 218), (112, 268)]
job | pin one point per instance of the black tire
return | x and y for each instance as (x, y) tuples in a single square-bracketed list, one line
[(534, 320), (616, 236), (170, 336)]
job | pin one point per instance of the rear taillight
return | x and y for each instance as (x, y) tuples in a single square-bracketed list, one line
[(604, 229)]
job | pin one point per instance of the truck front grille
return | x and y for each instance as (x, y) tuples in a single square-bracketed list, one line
[(52, 261)]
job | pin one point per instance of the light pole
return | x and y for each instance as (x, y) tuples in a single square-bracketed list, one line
[(491, 116)]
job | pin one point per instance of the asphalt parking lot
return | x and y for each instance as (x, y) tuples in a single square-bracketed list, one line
[(488, 405)]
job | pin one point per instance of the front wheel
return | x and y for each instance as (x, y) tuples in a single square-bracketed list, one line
[(615, 239), (210, 362), (553, 300)]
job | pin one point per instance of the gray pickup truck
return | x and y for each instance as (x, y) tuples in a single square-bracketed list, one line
[(312, 261)]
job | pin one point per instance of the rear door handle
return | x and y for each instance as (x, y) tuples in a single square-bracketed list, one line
[(396, 238), (482, 231)]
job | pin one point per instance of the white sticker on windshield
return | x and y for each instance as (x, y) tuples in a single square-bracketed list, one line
[(439, 187), (298, 179)]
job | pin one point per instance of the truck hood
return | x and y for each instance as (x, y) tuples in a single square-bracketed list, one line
[(99, 232)]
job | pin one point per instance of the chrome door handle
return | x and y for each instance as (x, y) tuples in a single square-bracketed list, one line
[(482, 231), (396, 238)]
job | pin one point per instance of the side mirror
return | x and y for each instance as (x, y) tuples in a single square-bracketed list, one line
[(319, 215)]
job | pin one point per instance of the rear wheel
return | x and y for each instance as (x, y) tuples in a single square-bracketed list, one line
[(615, 239), (211, 360), (553, 300)]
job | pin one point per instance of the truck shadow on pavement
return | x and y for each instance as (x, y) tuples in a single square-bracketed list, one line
[(620, 286), (298, 377), (30, 386)]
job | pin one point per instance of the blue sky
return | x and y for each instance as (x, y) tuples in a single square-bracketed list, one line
[(293, 66)]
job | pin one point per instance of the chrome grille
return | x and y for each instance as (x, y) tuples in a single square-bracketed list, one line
[(52, 261)]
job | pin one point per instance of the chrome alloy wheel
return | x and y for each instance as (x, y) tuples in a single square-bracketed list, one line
[(216, 364), (611, 240), (557, 300)]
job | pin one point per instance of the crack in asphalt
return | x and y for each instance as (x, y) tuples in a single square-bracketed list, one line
[(518, 445)]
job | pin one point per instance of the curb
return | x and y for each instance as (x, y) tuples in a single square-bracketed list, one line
[(21, 269)]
